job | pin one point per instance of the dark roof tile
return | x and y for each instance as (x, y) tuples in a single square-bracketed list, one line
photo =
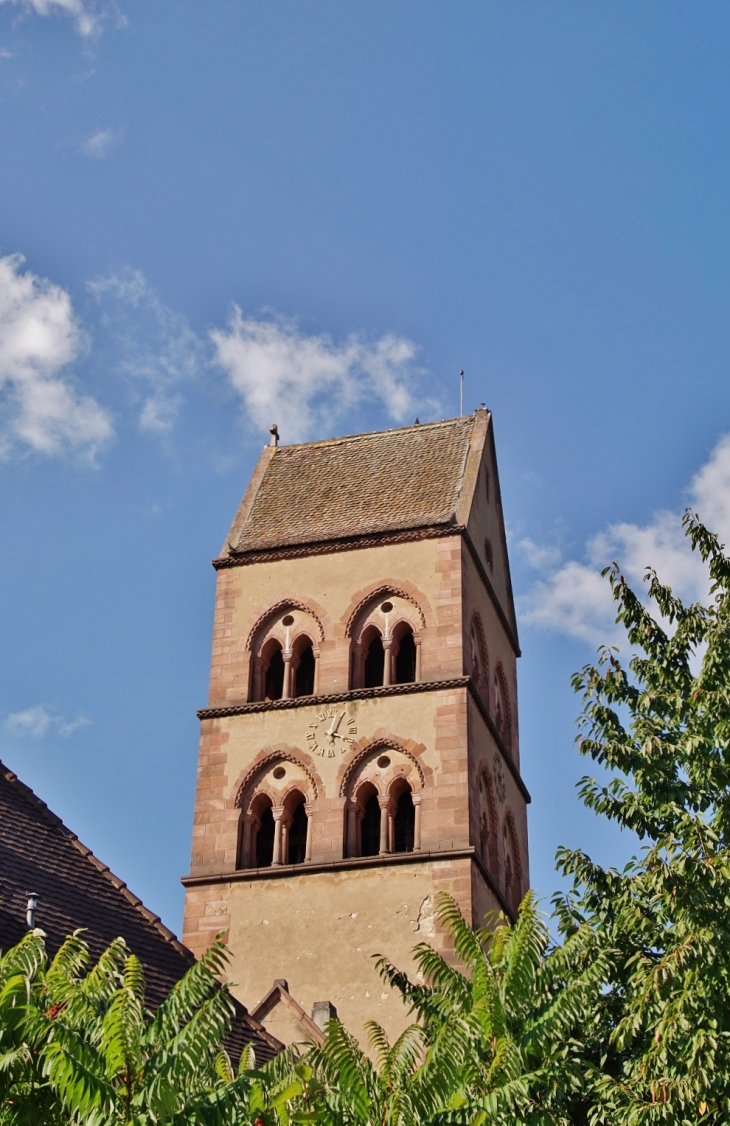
[(38, 853), (367, 483)]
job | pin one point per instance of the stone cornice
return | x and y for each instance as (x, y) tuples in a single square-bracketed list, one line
[(376, 539), (374, 694), (331, 546), (285, 871)]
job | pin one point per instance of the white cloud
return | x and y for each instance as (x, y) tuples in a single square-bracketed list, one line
[(87, 15), (304, 382), (154, 346), (538, 555), (571, 598), (39, 338), (39, 721), (101, 143)]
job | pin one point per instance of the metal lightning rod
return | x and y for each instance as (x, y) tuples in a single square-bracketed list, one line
[(461, 394)]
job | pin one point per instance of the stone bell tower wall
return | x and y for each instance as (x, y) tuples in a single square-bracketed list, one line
[(446, 737)]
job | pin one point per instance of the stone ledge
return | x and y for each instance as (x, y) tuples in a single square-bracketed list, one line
[(245, 875), (373, 694)]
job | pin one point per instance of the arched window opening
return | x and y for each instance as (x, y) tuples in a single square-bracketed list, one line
[(509, 879), (511, 868), (404, 823), (374, 662), (405, 658), (487, 821), (501, 710), (274, 675), (370, 827), (476, 668), (304, 676), (298, 835), (265, 839)]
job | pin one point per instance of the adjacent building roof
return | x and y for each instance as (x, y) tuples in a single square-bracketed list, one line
[(386, 481), (38, 853)]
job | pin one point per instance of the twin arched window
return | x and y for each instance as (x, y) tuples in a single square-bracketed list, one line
[(379, 826), (494, 695), (273, 835), (383, 807), (385, 649), (287, 674), (284, 658), (510, 875)]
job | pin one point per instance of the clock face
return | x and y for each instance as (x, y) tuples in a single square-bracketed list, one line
[(331, 732)]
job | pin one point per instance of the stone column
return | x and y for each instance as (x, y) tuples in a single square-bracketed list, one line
[(308, 846), (278, 812), (352, 828), (387, 661), (384, 825), (416, 822), (245, 859), (286, 692), (418, 661)]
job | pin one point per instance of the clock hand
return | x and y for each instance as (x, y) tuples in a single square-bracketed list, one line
[(334, 727)]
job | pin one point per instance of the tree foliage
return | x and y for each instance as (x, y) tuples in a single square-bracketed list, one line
[(77, 1044), (661, 725)]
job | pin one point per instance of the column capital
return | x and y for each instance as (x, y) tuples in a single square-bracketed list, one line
[(278, 812)]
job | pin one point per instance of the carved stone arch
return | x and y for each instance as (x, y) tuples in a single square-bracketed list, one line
[(306, 606), (512, 864), (267, 758), (368, 782), (294, 788), (386, 743), (491, 843), (506, 733), (408, 593)]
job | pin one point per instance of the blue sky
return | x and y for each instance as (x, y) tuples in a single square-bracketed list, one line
[(212, 215)]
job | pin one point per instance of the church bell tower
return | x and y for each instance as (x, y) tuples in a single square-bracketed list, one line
[(359, 751)]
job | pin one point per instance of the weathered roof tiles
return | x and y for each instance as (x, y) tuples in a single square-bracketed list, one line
[(368, 483), (38, 853)]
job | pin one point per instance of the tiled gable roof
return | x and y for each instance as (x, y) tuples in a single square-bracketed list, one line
[(38, 853), (383, 482)]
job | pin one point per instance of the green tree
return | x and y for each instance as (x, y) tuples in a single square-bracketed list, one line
[(78, 1045), (661, 726)]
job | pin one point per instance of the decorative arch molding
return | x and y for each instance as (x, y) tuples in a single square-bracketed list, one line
[(485, 775), (507, 733), (407, 748), (268, 757), (407, 591), (307, 606)]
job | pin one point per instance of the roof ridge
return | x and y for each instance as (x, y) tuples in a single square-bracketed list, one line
[(363, 434), (118, 884)]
